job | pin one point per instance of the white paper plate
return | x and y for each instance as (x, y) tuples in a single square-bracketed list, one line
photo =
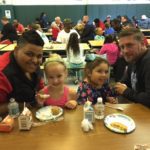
[(119, 123), (45, 114)]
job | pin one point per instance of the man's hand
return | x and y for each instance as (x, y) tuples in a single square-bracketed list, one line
[(120, 87)]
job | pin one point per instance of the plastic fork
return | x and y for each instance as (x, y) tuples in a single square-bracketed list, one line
[(114, 107)]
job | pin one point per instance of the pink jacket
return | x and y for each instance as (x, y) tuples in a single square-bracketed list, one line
[(112, 52)]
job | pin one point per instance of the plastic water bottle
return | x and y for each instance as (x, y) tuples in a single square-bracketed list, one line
[(99, 109), (13, 108), (89, 112)]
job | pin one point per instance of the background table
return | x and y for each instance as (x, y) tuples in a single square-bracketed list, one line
[(2, 46), (96, 43), (49, 47), (9, 47), (68, 135), (146, 32), (62, 47)]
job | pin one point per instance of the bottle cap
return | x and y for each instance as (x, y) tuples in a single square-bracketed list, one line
[(100, 100), (12, 100)]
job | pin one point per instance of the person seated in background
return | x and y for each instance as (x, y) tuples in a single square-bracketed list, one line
[(88, 31), (116, 25), (56, 27), (99, 34), (63, 35), (8, 31), (108, 29), (58, 23), (95, 83), (18, 26), (20, 75), (144, 23), (79, 28), (35, 26), (135, 21), (111, 49), (55, 30), (38, 28), (130, 25), (125, 20), (99, 23), (57, 93), (135, 85), (108, 20)]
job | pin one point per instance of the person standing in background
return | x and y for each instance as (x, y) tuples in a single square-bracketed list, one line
[(88, 31), (44, 20), (108, 20)]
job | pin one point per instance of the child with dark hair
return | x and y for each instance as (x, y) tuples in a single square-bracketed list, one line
[(75, 53), (95, 84), (111, 49)]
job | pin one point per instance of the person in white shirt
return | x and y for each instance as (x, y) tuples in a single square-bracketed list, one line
[(63, 36), (75, 54)]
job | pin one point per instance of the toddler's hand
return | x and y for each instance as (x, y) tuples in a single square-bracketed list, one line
[(40, 97), (112, 100), (71, 104)]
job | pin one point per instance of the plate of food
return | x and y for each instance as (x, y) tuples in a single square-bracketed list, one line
[(49, 113), (119, 123)]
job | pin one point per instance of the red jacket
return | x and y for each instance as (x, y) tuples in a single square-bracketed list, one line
[(14, 83), (55, 32)]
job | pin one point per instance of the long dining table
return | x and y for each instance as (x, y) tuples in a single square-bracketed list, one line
[(68, 135)]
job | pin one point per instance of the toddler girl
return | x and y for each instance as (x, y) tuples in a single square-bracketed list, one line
[(56, 92), (95, 84)]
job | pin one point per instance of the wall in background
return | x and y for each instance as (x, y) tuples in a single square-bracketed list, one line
[(73, 2), (49, 2), (101, 11), (2, 11), (27, 14)]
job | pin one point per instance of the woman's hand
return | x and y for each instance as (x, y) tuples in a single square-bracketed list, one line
[(71, 104)]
